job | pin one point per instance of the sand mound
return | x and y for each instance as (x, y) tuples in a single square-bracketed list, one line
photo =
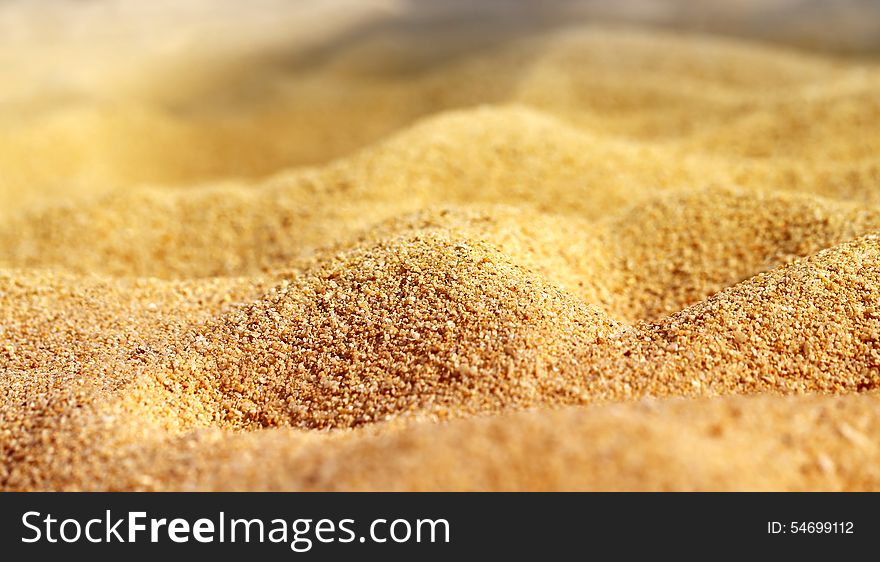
[(425, 327), (475, 156), (808, 326), (478, 156), (410, 325), (71, 345), (677, 249), (617, 230)]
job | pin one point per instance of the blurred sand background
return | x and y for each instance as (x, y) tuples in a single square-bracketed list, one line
[(99, 94)]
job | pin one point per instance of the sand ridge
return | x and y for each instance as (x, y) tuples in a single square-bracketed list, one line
[(587, 254)]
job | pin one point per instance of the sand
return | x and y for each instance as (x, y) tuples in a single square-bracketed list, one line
[(592, 258)]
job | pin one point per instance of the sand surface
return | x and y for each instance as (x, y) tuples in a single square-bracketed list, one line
[(593, 257)]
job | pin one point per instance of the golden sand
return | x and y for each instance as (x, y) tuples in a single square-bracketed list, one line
[(594, 258)]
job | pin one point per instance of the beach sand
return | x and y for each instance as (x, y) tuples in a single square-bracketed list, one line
[(587, 257)]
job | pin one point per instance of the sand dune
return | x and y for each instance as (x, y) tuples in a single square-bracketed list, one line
[(817, 443), (472, 156), (593, 258)]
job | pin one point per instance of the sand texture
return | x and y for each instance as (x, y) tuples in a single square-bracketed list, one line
[(597, 257)]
